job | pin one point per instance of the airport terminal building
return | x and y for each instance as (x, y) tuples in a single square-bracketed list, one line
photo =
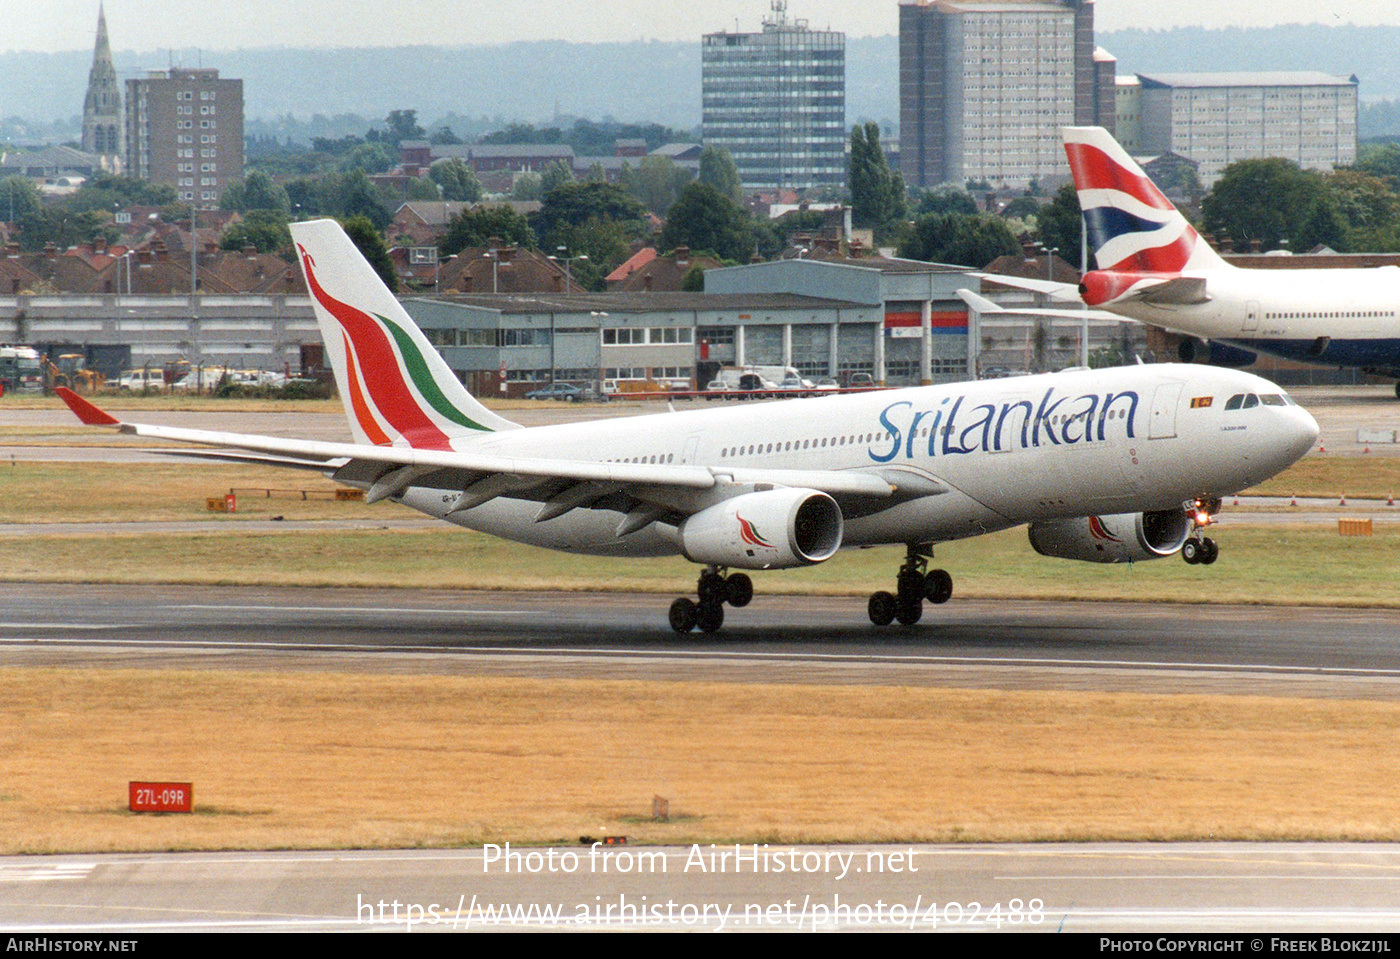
[(900, 321)]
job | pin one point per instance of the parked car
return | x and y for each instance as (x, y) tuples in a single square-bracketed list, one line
[(566, 392), (143, 379)]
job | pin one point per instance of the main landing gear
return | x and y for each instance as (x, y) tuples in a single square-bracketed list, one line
[(1200, 548), (714, 590), (914, 584)]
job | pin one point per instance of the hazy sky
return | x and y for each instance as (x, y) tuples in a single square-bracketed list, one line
[(51, 25)]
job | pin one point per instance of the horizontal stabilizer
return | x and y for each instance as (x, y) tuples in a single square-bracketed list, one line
[(1183, 290), (1056, 290)]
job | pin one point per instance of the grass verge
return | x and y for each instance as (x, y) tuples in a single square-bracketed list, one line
[(1268, 564)]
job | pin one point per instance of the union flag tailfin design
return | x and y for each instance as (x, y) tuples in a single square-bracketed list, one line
[(397, 389), (1133, 227)]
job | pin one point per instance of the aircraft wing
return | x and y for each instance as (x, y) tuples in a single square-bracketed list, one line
[(561, 485)]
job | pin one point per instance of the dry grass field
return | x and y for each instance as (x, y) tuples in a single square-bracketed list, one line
[(321, 760)]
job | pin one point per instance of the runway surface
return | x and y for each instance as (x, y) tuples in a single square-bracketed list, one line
[(1147, 888), (975, 643)]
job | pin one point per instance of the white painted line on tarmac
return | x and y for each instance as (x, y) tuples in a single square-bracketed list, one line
[(357, 609), (712, 655)]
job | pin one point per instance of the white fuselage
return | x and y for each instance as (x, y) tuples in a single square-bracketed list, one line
[(1007, 452), (1338, 317)]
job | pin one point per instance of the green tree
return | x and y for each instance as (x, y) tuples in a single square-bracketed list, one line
[(555, 175), (402, 125), (947, 200), (694, 279), (256, 192), (369, 158), (877, 192), (717, 169), (959, 239), (1061, 224), (264, 229), (457, 180), (370, 242), (357, 197), (476, 227), (1261, 200), (1322, 226), (656, 182), (18, 198), (64, 228), (705, 219), (574, 204), (527, 187)]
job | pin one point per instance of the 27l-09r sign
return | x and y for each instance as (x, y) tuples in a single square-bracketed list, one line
[(161, 797)]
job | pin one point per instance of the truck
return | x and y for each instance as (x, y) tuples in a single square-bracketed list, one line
[(21, 370)]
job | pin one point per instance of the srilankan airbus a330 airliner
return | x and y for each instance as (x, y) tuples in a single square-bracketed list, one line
[(1107, 466)]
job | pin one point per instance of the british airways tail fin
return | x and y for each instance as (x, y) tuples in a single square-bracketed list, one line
[(1132, 226), (397, 389)]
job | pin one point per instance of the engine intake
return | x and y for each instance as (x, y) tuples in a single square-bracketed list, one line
[(1121, 538), (775, 529)]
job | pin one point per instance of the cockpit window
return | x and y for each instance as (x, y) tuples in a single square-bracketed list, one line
[(1251, 401), (1271, 399), (1234, 402)]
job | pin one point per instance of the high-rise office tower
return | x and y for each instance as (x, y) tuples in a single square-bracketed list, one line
[(776, 100), (985, 85), (184, 128)]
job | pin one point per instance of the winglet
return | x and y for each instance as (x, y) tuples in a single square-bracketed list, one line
[(85, 411)]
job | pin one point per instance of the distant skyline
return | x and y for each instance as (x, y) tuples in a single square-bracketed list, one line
[(150, 25)]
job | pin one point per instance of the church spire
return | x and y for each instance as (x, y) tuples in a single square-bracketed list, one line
[(102, 108)]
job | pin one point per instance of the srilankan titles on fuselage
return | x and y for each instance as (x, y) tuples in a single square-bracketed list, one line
[(951, 431)]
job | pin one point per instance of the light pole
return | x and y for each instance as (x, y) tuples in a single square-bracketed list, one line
[(494, 256), (566, 260)]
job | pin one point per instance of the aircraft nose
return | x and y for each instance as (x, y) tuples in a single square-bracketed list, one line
[(1301, 431)]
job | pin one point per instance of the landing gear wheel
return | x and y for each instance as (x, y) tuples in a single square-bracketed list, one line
[(938, 586), (882, 608), (1209, 551), (910, 611), (1192, 550), (683, 615), (711, 588), (738, 590), (710, 617), (910, 585)]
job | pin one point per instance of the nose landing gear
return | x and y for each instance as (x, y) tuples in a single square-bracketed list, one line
[(1200, 548), (914, 584), (713, 591)]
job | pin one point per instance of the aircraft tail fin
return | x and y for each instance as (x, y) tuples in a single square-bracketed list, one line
[(1133, 227), (397, 388)]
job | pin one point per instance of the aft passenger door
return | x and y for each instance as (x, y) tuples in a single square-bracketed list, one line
[(1251, 317)]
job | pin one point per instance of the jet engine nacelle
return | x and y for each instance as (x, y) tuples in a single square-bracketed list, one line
[(1193, 350), (774, 529), (1121, 538)]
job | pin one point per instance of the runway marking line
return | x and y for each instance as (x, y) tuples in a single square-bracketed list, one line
[(737, 656)]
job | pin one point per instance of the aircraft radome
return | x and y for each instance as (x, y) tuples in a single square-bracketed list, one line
[(1154, 267), (1107, 466)]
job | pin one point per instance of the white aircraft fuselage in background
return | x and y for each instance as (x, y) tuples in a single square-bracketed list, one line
[(1154, 267), (1348, 318)]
